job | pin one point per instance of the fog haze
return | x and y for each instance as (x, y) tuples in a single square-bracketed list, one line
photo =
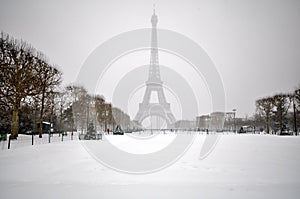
[(255, 45)]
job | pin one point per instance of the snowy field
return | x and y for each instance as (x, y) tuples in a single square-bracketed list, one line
[(240, 166)]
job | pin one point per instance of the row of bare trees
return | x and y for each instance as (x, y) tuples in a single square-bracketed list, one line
[(279, 111), (77, 109), (25, 77), (31, 94)]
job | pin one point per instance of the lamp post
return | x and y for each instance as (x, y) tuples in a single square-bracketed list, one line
[(234, 110)]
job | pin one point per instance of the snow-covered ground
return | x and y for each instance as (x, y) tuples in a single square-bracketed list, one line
[(240, 166), (26, 140)]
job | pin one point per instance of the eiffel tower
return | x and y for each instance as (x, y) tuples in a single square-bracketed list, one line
[(154, 84)]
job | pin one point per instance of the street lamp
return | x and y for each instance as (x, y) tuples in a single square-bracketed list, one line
[(234, 110)]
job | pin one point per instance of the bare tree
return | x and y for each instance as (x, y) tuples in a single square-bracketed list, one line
[(100, 110), (297, 98), (64, 102), (78, 96), (282, 104), (23, 73), (81, 107), (296, 107), (264, 108), (17, 75), (49, 77)]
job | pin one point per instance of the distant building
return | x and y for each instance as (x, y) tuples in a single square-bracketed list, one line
[(217, 121), (229, 121), (202, 122), (184, 124)]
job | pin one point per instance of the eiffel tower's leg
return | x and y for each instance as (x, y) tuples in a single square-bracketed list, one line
[(161, 96), (147, 95)]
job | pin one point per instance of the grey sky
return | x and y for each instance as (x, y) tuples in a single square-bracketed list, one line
[(255, 45)]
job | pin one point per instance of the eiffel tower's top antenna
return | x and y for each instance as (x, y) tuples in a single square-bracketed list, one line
[(154, 17)]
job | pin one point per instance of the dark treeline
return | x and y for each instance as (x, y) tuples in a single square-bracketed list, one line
[(279, 112), (25, 76), (31, 94)]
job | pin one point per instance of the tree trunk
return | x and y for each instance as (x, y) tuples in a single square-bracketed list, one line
[(295, 120), (72, 127), (41, 115), (281, 123), (15, 122), (267, 124), (60, 120)]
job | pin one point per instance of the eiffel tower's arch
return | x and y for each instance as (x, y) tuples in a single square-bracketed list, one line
[(157, 115)]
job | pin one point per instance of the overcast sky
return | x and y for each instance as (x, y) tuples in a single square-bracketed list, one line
[(254, 44)]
